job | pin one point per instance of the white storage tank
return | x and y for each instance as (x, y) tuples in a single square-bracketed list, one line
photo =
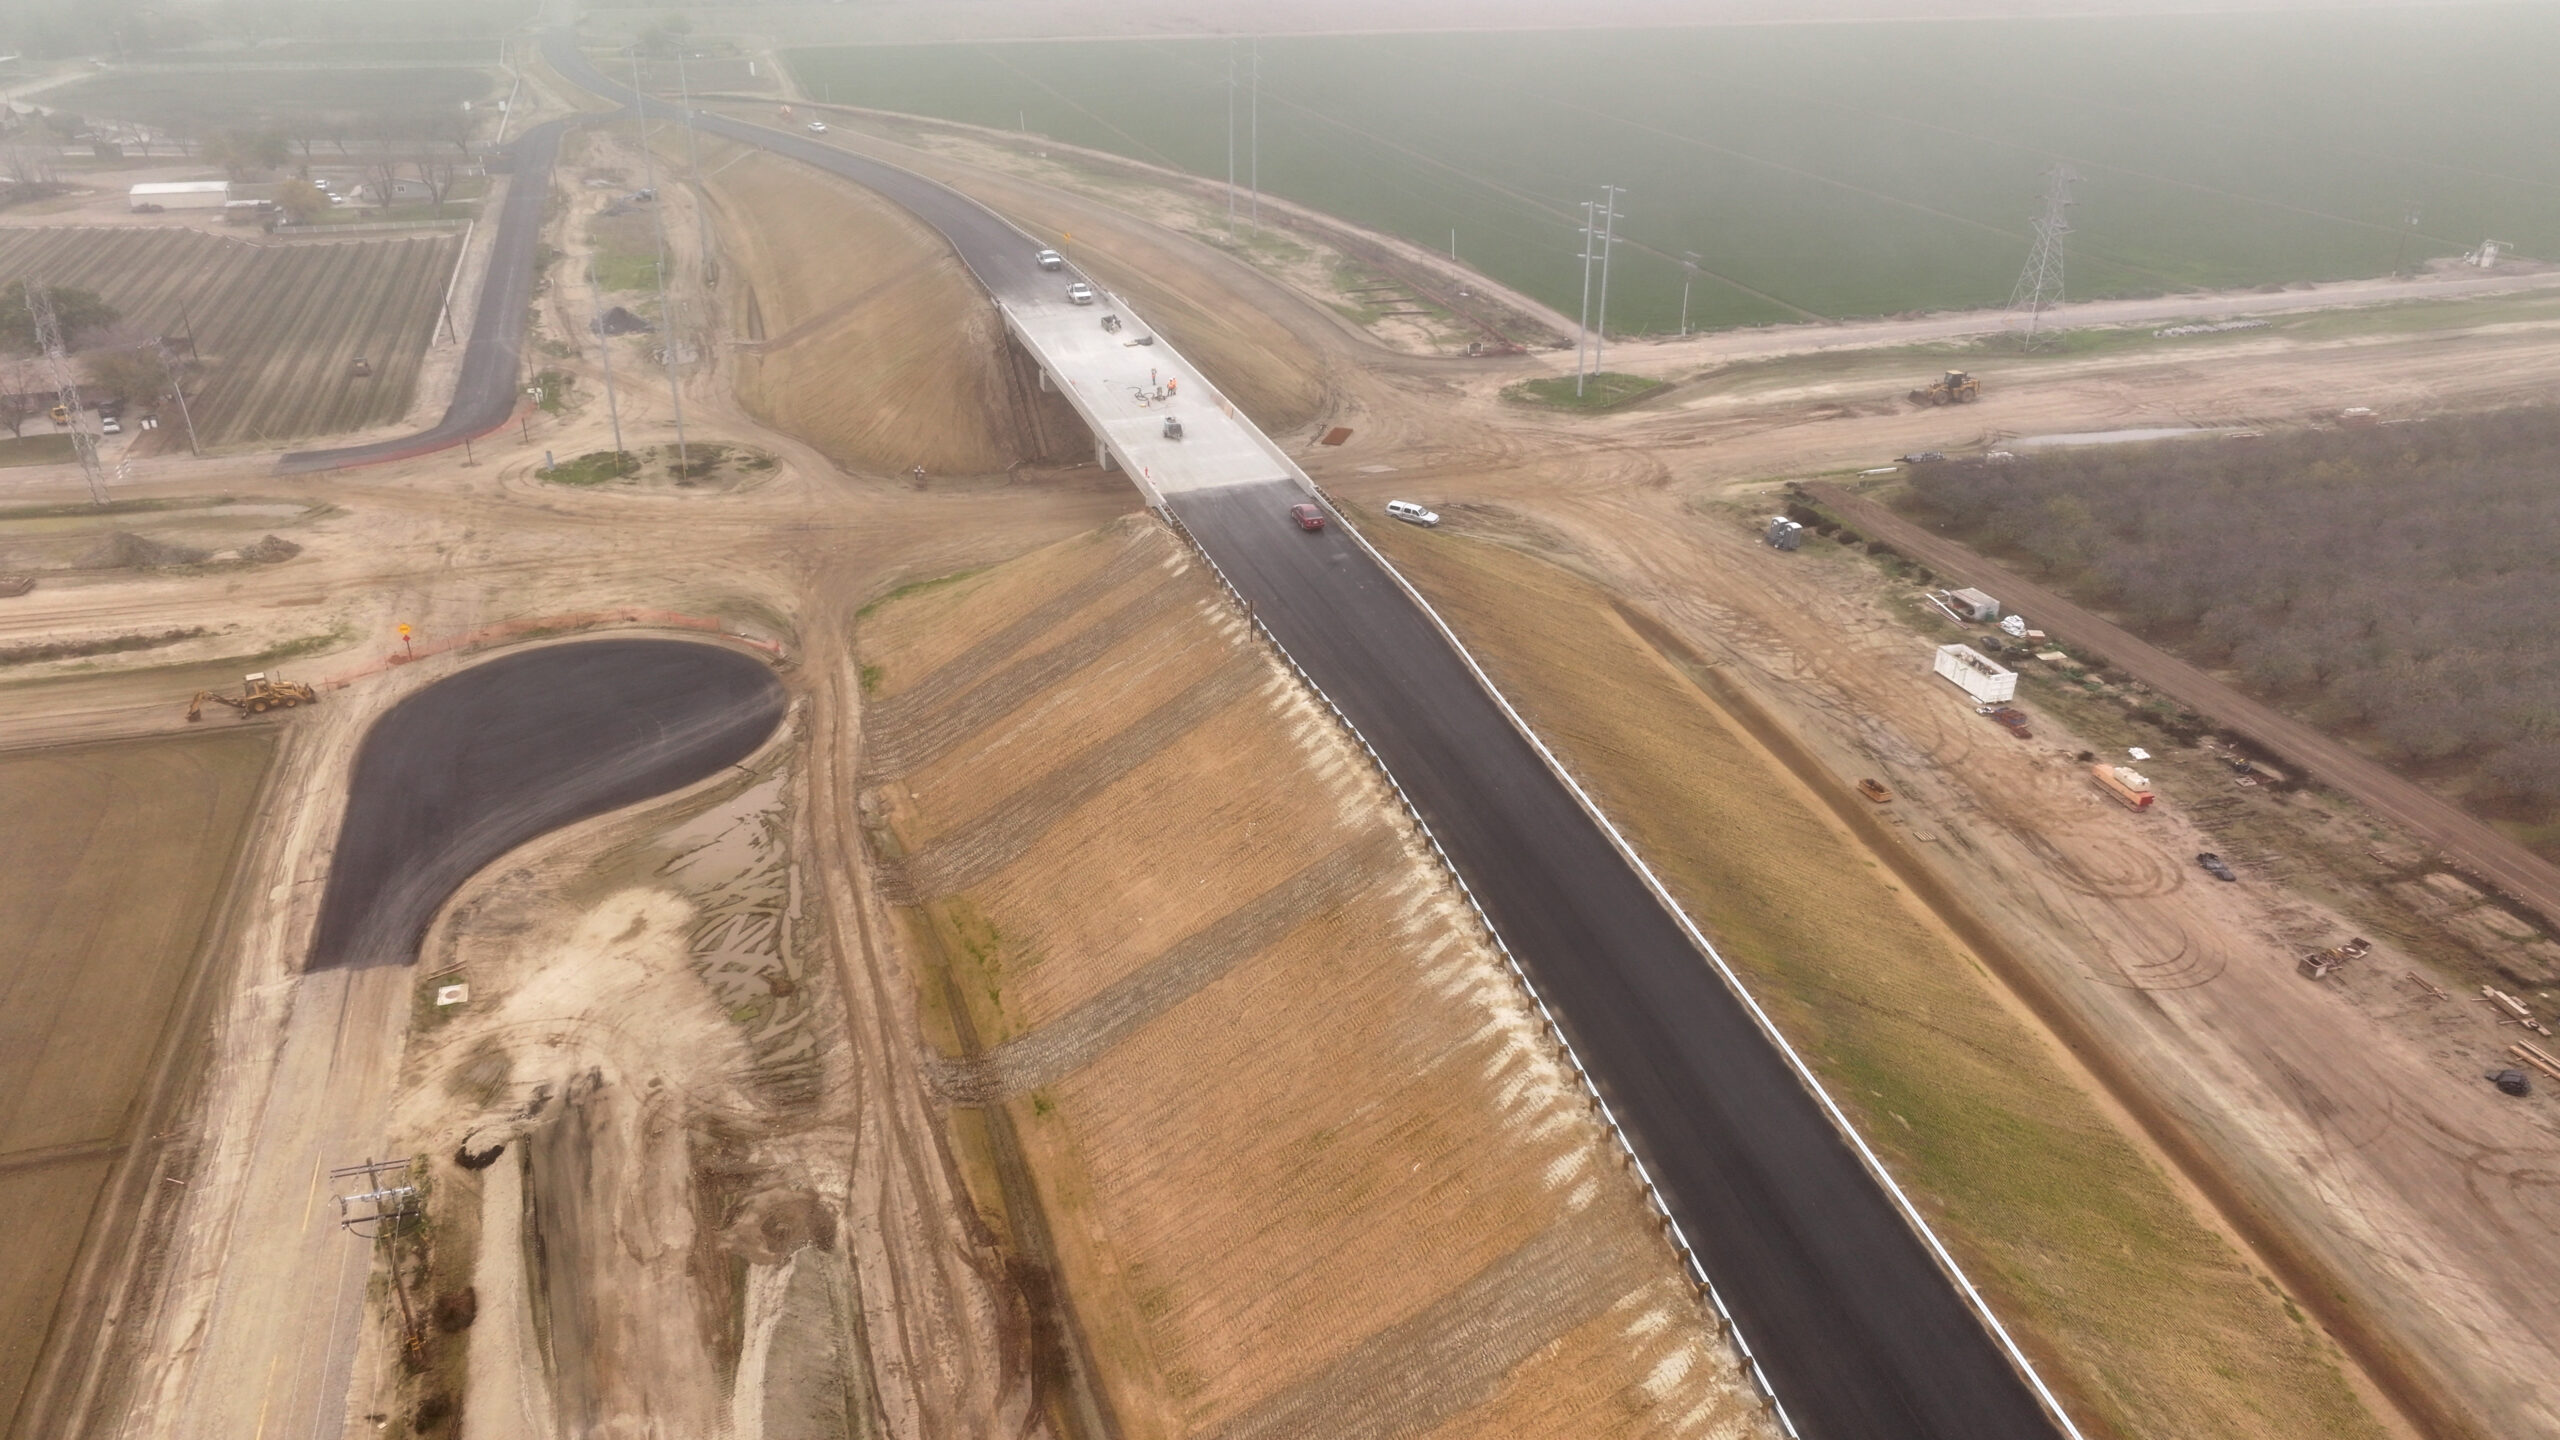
[(1983, 679)]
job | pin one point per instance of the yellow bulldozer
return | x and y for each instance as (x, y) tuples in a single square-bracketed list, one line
[(259, 693), (1957, 387)]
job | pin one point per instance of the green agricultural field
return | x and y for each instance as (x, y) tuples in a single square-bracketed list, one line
[(1840, 169), (326, 107)]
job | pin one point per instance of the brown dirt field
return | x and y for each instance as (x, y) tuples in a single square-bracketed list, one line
[(1283, 1125), (112, 858), (2147, 1320), (1270, 353), (861, 332)]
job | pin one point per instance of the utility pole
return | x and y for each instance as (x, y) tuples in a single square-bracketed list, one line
[(1253, 125), (1231, 137), (1608, 241), (1582, 331), (2040, 284), (1688, 272), (674, 351), (57, 357), (604, 340), (693, 156), (178, 387)]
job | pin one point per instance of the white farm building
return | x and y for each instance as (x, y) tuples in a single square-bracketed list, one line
[(182, 195)]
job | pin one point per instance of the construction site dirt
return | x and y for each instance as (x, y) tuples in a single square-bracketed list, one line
[(847, 1090)]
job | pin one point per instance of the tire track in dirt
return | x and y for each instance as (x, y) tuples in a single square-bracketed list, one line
[(1450, 1356), (902, 747), (1070, 1042), (986, 845)]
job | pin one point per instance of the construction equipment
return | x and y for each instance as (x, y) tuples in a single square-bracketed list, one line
[(1956, 387), (2515, 1008), (259, 693), (2318, 964), (2126, 786)]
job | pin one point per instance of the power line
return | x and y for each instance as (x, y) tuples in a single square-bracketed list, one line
[(2040, 284), (57, 358), (1608, 242)]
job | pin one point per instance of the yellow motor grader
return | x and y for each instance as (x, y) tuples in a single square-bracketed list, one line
[(259, 693)]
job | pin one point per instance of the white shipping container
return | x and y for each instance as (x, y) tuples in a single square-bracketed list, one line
[(1979, 676)]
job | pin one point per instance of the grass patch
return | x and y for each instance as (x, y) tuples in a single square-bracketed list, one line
[(31, 653), (2142, 1316), (557, 387), (1606, 390), (917, 587), (597, 467), (38, 450)]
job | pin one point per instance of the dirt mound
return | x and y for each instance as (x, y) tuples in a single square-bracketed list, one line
[(1236, 1065), (270, 550), (866, 337)]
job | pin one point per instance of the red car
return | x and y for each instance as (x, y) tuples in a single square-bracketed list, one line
[(1307, 516)]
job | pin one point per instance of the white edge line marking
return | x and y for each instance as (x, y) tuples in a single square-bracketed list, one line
[(1804, 1073)]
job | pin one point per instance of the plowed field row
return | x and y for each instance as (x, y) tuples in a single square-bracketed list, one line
[(278, 326)]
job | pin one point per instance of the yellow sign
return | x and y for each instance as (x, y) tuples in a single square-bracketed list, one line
[(404, 631)]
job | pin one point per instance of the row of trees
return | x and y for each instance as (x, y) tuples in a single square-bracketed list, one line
[(2401, 582)]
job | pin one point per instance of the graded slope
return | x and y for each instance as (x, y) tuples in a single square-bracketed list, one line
[(851, 342), (1229, 1055)]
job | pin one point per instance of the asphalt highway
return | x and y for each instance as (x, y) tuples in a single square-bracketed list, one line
[(480, 762), (1862, 1336), (484, 395)]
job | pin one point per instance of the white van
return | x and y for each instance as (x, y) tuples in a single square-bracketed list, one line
[(1411, 513)]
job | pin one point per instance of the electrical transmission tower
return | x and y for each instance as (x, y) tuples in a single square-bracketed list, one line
[(57, 358), (2040, 284)]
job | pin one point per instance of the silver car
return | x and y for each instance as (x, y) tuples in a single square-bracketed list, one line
[(1080, 293)]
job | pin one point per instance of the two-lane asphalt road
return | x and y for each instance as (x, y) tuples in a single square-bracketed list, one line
[(1861, 1334)]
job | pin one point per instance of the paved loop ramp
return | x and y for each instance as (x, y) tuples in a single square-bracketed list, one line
[(473, 766), (484, 396)]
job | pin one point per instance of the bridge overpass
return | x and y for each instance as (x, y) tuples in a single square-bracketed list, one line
[(1861, 1324)]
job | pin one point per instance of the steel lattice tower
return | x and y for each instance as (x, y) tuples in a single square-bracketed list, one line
[(57, 358), (2040, 284)]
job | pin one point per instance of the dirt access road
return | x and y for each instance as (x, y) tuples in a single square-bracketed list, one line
[(2470, 843)]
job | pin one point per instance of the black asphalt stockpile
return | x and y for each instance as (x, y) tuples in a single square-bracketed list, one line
[(475, 765), (485, 394), (1861, 1335)]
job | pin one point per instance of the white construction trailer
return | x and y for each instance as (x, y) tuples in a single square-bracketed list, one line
[(1979, 676), (181, 195)]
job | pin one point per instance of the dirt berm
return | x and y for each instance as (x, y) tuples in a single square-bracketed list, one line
[(1276, 1139)]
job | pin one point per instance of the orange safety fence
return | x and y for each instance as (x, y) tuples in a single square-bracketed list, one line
[(544, 625)]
